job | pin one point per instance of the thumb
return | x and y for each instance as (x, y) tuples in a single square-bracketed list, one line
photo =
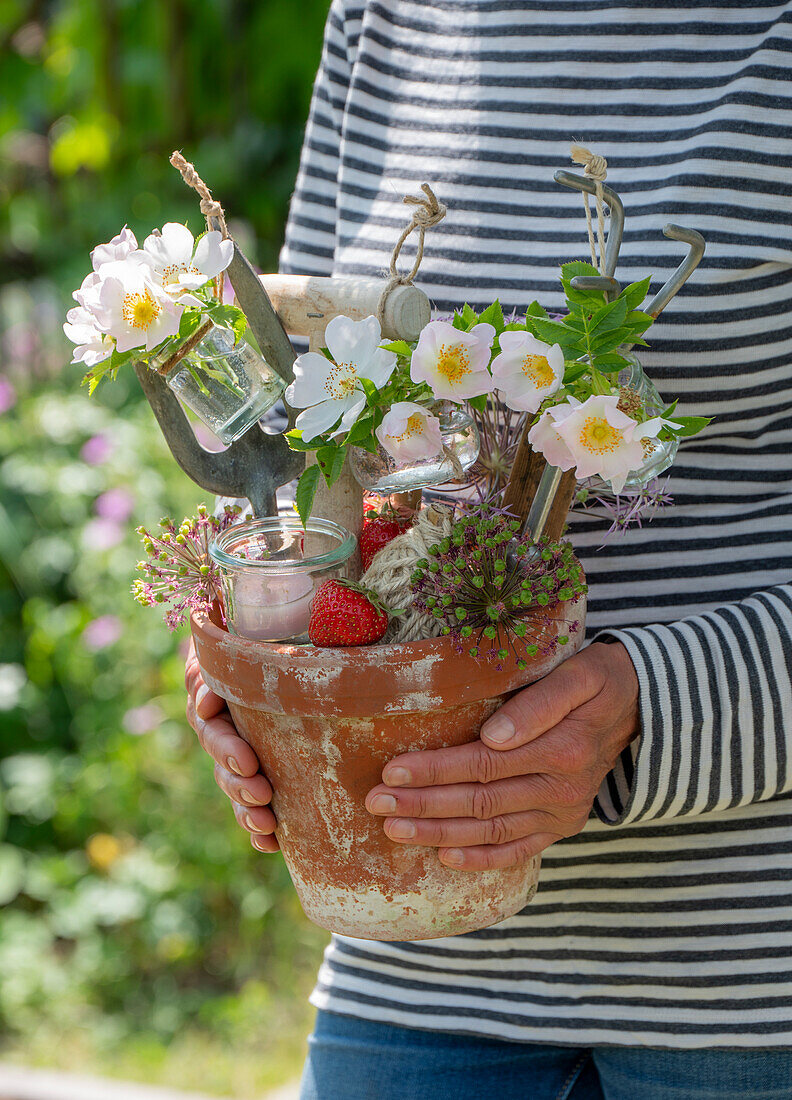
[(537, 708)]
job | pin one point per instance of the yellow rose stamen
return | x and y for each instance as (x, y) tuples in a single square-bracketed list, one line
[(453, 363), (598, 436), (140, 310), (538, 370), (414, 426), (171, 273), (340, 382)]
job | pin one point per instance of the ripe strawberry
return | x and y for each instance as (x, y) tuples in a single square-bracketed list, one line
[(378, 532), (343, 613)]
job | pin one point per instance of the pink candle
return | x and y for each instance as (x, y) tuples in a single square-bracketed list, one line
[(271, 608)]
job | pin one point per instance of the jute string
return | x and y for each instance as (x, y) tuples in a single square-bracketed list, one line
[(389, 573), (595, 168), (429, 211), (210, 207)]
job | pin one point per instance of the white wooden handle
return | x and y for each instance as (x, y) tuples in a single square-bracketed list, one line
[(305, 303)]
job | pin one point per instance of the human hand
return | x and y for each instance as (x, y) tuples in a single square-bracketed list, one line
[(236, 765), (531, 777)]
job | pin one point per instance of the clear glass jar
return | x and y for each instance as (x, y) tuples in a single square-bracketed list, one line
[(228, 386), (381, 473), (269, 570), (658, 454)]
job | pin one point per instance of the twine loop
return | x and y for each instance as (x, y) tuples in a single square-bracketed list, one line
[(210, 207), (427, 212), (595, 167)]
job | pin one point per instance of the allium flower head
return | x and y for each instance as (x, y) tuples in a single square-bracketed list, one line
[(526, 371), (453, 363), (492, 589), (409, 432), (179, 572)]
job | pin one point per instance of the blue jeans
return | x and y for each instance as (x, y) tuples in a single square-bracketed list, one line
[(352, 1059)]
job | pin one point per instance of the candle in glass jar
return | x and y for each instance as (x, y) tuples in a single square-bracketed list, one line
[(271, 608)]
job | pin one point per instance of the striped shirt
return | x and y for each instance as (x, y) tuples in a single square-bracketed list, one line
[(666, 922)]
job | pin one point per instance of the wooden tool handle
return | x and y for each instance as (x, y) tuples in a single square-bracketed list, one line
[(523, 482), (305, 303)]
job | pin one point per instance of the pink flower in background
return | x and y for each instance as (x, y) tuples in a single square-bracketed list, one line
[(143, 719), (102, 534), (7, 395), (207, 438), (116, 505), (102, 632), (96, 450)]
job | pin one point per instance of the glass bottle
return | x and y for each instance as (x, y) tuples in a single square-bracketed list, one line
[(228, 386)]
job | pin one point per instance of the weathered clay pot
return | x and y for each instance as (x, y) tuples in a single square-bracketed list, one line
[(323, 723)]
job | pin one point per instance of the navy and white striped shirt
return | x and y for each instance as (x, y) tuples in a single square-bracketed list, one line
[(667, 921)]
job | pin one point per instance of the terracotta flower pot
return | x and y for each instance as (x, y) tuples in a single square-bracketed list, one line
[(323, 723)]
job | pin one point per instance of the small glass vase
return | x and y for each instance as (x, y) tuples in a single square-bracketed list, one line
[(659, 454), (269, 570), (228, 386), (381, 473)]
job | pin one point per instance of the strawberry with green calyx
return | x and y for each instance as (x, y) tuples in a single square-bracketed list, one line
[(344, 613), (380, 528)]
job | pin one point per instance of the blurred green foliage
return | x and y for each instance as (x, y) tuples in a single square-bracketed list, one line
[(139, 932)]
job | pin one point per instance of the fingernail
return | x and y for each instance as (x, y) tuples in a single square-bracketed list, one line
[(249, 822), (233, 766), (396, 777), (454, 856), (257, 844), (246, 796), (201, 694), (382, 804), (401, 829), (499, 729)]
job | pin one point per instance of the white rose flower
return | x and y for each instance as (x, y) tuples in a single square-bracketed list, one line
[(603, 440), (526, 371), (455, 364), (92, 345), (180, 264), (330, 390), (132, 308), (544, 436), (409, 432), (121, 246)]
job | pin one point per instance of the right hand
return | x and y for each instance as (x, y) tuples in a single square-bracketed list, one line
[(236, 765)]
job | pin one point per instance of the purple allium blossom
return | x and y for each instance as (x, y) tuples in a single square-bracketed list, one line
[(624, 510), (179, 572), (96, 450), (102, 534), (492, 589), (115, 504), (7, 395), (102, 632), (143, 719)]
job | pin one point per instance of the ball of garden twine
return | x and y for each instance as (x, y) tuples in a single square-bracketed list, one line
[(389, 574)]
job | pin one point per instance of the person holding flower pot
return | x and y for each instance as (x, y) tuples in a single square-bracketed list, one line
[(654, 768)]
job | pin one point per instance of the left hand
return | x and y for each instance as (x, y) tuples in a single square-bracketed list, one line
[(531, 777)]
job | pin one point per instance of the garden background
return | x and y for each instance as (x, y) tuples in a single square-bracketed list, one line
[(140, 934)]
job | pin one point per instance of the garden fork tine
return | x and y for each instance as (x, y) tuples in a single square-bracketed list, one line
[(614, 204), (683, 272), (606, 283)]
